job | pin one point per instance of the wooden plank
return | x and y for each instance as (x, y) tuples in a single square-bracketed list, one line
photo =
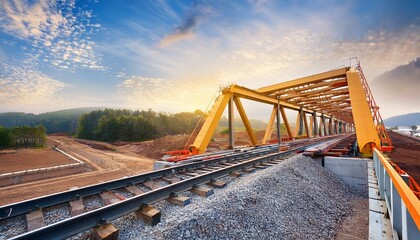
[(202, 191), (192, 174), (149, 214), (134, 190), (217, 184), (105, 232), (179, 200), (152, 184), (171, 180), (35, 220), (109, 198), (77, 207), (268, 164), (235, 174), (259, 166), (248, 170)]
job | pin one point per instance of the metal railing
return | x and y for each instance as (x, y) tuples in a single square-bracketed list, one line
[(403, 205)]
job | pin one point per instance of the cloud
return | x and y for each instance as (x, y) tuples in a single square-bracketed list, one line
[(185, 29), (396, 91), (381, 51), (140, 92), (21, 87), (58, 31)]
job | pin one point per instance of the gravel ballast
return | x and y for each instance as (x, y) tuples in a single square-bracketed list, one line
[(296, 199)]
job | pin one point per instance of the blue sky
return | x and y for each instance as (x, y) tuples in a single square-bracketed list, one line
[(174, 55)]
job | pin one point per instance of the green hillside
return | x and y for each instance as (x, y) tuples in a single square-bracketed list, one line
[(63, 121)]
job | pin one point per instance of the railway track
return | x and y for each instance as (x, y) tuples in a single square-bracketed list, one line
[(136, 193)]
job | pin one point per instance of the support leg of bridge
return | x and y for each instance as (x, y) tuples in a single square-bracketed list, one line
[(278, 123), (245, 121), (315, 125), (305, 123), (286, 122), (231, 125), (105, 232), (269, 130), (149, 214)]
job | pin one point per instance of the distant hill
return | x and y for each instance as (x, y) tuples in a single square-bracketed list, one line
[(63, 121), (403, 120), (397, 91)]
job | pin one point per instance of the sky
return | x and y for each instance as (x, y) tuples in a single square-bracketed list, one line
[(174, 56)]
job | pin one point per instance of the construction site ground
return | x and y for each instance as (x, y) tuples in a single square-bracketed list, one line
[(406, 154), (104, 162)]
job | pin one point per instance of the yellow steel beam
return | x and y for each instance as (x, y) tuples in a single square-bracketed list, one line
[(311, 124), (338, 73), (323, 91), (269, 130), (204, 136), (286, 122), (305, 123), (245, 121), (365, 127), (253, 95), (296, 130), (310, 87)]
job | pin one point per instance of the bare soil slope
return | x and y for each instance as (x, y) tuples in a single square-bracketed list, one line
[(406, 154)]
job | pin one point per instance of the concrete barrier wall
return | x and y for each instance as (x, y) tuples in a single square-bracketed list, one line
[(352, 171)]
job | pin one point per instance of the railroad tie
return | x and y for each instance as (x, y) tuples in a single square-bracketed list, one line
[(134, 190), (235, 174), (248, 170), (217, 184), (206, 169), (260, 166), (105, 232), (77, 207), (152, 184), (268, 164), (171, 180), (109, 198), (149, 214), (35, 220), (202, 191), (179, 200), (192, 174)]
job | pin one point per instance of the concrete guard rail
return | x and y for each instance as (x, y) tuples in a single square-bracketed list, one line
[(403, 206)]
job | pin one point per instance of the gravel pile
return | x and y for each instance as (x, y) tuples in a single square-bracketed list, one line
[(296, 199)]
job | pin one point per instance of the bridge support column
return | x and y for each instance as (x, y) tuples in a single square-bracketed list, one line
[(305, 123), (231, 123), (315, 124), (269, 129), (278, 123), (365, 128), (286, 122)]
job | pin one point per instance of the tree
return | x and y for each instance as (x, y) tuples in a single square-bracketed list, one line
[(5, 138)]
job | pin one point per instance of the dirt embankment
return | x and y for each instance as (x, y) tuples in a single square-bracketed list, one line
[(406, 154)]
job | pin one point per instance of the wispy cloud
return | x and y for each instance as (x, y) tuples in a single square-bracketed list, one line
[(382, 51), (140, 92), (58, 32), (21, 87)]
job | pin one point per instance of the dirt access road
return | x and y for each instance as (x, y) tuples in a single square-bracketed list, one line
[(102, 165)]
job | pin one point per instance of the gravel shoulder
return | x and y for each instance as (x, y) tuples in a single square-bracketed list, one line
[(296, 199)]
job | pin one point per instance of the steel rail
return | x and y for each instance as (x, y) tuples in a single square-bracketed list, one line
[(88, 220), (15, 209)]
